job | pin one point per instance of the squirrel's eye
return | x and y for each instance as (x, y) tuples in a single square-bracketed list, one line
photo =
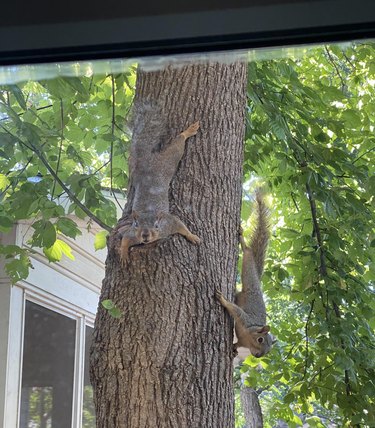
[(135, 223), (260, 339)]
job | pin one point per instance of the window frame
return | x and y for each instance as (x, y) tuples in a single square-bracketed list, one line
[(20, 294)]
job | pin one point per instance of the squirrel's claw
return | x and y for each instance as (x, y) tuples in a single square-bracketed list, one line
[(195, 239), (219, 295), (124, 260), (192, 130)]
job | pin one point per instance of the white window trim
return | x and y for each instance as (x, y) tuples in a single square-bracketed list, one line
[(67, 289), (19, 294), (79, 367), (54, 303), (12, 363)]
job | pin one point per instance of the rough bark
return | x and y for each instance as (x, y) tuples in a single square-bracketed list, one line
[(251, 408), (167, 362)]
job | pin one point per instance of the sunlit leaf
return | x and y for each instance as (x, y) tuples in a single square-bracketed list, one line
[(4, 182), (57, 250), (100, 241)]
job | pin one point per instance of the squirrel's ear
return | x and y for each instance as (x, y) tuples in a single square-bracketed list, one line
[(135, 215), (264, 330)]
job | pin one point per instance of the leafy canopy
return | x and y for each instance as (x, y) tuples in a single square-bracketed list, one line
[(62, 142), (310, 136)]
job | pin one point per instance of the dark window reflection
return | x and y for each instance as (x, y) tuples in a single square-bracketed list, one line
[(48, 369), (88, 413)]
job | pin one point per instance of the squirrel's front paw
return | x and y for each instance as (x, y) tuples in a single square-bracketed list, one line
[(219, 295), (192, 130), (194, 239), (124, 259)]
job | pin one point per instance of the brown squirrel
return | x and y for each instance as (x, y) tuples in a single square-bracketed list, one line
[(249, 310), (152, 167)]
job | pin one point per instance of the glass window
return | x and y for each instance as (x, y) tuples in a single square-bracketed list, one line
[(48, 369), (88, 411)]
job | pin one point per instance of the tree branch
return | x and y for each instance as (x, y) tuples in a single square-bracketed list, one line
[(61, 143), (113, 124), (332, 61), (22, 113), (307, 336), (364, 154), (323, 266), (294, 201), (71, 195), (323, 272)]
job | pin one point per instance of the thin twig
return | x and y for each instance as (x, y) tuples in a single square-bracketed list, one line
[(60, 149), (294, 201), (320, 372), (322, 267), (22, 113), (307, 336), (332, 61), (364, 154), (18, 175)]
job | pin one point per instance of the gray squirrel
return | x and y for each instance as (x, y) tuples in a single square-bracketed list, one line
[(153, 162), (249, 310)]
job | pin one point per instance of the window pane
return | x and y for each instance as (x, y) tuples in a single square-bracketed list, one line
[(48, 369), (88, 418)]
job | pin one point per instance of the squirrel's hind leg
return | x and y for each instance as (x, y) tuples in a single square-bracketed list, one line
[(191, 130), (177, 226), (184, 231), (238, 314)]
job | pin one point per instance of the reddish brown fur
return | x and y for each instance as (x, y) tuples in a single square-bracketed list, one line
[(249, 310)]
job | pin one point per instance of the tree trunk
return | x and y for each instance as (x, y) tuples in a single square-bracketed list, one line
[(251, 408), (167, 362)]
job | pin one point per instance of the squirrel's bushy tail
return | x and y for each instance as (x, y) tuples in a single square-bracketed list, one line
[(261, 233)]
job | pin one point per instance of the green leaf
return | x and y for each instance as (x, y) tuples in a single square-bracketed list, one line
[(5, 224), (11, 113), (289, 398), (314, 422), (100, 241), (68, 227), (115, 313), (4, 182), (112, 309), (18, 267), (57, 250), (76, 83), (44, 235), (18, 94), (352, 118), (108, 304), (297, 420)]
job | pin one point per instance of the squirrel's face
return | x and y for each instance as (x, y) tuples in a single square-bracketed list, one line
[(146, 227), (261, 341)]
